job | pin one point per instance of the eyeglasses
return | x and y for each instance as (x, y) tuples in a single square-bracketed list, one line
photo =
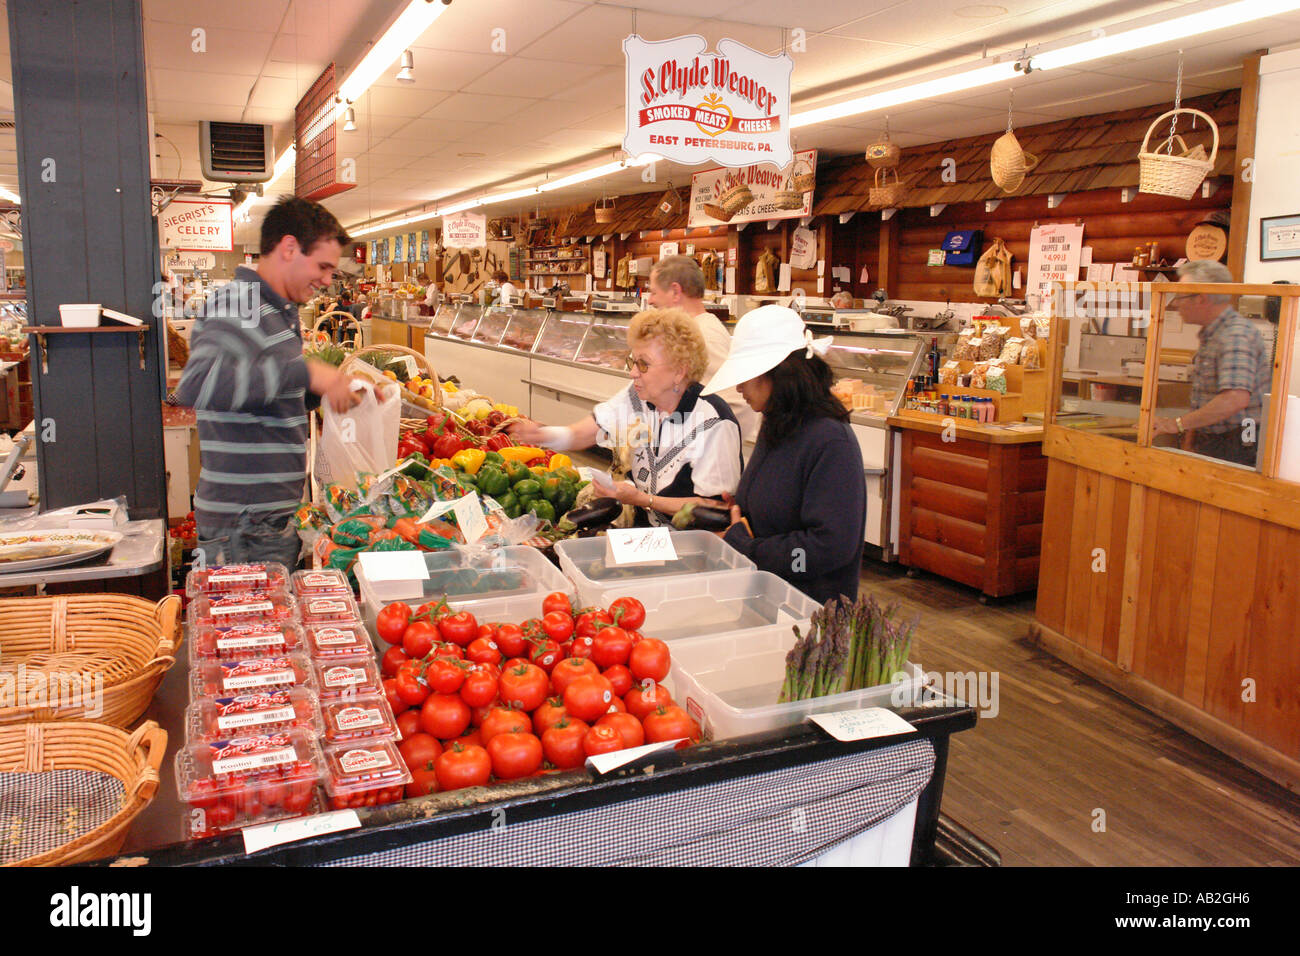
[(641, 365)]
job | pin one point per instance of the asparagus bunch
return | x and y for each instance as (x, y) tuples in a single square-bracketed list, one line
[(848, 647)]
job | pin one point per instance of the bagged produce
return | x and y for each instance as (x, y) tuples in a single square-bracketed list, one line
[(1012, 351), (364, 438), (991, 344), (948, 373)]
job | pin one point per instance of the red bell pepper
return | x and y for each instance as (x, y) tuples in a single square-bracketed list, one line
[(446, 446)]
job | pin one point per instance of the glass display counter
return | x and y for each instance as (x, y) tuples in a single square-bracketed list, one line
[(606, 343), (562, 336), (492, 325), (444, 319), (871, 370), (467, 319), (523, 330)]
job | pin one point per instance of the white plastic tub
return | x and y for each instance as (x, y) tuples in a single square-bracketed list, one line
[(506, 584), (698, 552), (79, 316), (706, 605), (730, 683)]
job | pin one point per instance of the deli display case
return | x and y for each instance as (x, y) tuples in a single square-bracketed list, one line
[(492, 325), (606, 343), (467, 318), (524, 328), (444, 319), (562, 336)]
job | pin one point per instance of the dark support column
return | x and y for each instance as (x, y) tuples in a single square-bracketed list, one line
[(88, 236)]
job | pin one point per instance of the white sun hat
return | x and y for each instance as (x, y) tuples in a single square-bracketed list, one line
[(762, 340)]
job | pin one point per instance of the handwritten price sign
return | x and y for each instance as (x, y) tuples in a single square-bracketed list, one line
[(629, 547)]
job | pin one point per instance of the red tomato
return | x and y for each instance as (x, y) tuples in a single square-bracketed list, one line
[(562, 743), (602, 740), (510, 640), (299, 798), (503, 720), (395, 702), (221, 815), (419, 639), (444, 716), (524, 687), (484, 650), (393, 658), (424, 781), (448, 651), (463, 765), (548, 715), (458, 628), (470, 736), (515, 755), (579, 647), (588, 697), (628, 613), (591, 622), (446, 676), (610, 646), (628, 727), (645, 697), (637, 637), (431, 610), (391, 622), (558, 626), (617, 706), (650, 660), (620, 677), (557, 601), (545, 653), (409, 723), (570, 669), (487, 630), (411, 690), (420, 749), (480, 687), (669, 723)]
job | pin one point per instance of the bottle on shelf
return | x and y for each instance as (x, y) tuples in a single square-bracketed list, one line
[(934, 359)]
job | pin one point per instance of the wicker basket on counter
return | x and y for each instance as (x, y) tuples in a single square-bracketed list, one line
[(30, 754), (97, 656), (415, 404)]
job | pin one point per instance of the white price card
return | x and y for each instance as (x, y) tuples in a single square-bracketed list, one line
[(862, 724), (393, 566), (783, 279), (300, 828), (469, 517), (730, 282), (439, 509), (604, 763), (627, 547)]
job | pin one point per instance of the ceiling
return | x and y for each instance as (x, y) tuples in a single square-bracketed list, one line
[(553, 99)]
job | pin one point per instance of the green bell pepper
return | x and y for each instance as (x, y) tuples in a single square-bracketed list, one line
[(528, 488), (493, 458), (544, 510), (492, 481), (510, 505), (552, 490), (516, 471)]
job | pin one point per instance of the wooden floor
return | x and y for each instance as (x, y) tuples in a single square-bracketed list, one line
[(1031, 780)]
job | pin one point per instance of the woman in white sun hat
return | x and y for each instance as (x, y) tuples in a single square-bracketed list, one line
[(800, 509)]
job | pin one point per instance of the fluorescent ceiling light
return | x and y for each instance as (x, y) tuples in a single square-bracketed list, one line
[(406, 29), (926, 89)]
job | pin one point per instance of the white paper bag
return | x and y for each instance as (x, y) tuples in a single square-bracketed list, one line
[(803, 249), (362, 439)]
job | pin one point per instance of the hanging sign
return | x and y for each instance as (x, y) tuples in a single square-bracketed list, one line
[(598, 263), (410, 247), (424, 245), (465, 230), (667, 249), (765, 189), (803, 248), (1055, 251), (693, 107), (198, 224), (374, 251), (359, 253), (397, 248), (191, 261)]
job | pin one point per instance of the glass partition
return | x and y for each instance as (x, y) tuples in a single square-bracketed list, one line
[(524, 326), (562, 335), (493, 325), (606, 342)]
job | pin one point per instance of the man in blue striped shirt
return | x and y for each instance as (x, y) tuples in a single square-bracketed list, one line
[(252, 389)]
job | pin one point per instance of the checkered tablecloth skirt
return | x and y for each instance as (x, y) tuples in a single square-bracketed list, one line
[(40, 812), (779, 818)]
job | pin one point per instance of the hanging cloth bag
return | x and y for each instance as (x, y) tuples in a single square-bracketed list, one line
[(993, 273)]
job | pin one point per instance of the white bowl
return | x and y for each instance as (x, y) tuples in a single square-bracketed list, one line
[(79, 316)]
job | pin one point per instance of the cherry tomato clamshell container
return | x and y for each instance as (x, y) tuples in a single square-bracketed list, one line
[(329, 609), (358, 718), (322, 581), (243, 607), (250, 676), (364, 773), (219, 718), (213, 642), (327, 642), (349, 676), (230, 578)]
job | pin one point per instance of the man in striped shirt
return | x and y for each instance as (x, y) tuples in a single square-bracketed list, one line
[(252, 389)]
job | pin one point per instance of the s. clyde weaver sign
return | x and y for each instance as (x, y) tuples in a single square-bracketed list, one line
[(692, 107)]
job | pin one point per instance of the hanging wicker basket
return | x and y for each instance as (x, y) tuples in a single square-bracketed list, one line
[(604, 211), (1008, 163), (883, 154), (884, 193), (39, 752), (1163, 173), (803, 182), (717, 212), (97, 656), (670, 205)]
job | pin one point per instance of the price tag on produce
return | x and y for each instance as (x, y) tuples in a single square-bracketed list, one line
[(384, 567), (604, 763), (629, 547), (289, 831), (469, 517), (862, 724)]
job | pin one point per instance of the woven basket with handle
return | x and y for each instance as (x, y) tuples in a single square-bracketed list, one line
[(803, 181), (789, 197), (604, 211), (1008, 163), (884, 193), (353, 364), (1163, 173), (41, 748), (78, 641), (736, 198), (883, 154)]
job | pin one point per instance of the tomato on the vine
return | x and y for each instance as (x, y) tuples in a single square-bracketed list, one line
[(408, 723), (484, 650), (463, 765), (503, 720), (395, 702), (524, 687), (620, 677), (645, 697), (431, 611), (670, 723), (480, 687), (510, 640), (610, 646), (419, 749), (548, 715), (444, 716), (515, 754), (446, 676), (419, 639), (628, 613), (449, 651), (459, 628), (562, 743), (557, 601), (393, 658), (424, 781), (411, 690), (591, 622), (588, 697), (628, 727), (391, 622), (545, 653)]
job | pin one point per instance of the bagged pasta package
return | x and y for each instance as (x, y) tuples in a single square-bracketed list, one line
[(969, 352), (948, 373), (1012, 351), (979, 375), (991, 344), (995, 379), (1028, 327)]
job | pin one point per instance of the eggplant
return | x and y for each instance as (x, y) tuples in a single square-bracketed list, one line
[(596, 512), (711, 519)]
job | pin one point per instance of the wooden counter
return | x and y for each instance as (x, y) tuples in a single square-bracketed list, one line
[(1171, 577), (971, 502)]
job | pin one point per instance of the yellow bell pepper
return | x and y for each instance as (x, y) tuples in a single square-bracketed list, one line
[(449, 388), (469, 459), (538, 470), (561, 461), (521, 453)]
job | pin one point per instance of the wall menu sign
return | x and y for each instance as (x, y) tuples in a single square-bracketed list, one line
[(198, 225), (764, 184), (1055, 251), (465, 230), (693, 107)]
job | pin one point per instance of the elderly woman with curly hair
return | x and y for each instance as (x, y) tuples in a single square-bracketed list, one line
[(685, 446)]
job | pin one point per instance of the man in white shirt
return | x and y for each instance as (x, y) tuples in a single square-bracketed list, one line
[(677, 282)]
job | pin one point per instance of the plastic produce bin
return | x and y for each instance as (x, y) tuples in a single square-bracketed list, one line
[(707, 605), (698, 552), (730, 684)]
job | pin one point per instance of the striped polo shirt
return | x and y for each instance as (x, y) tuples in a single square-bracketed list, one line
[(1232, 355), (247, 381)]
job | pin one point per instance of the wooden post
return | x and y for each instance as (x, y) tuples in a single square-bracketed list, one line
[(1239, 224), (890, 239)]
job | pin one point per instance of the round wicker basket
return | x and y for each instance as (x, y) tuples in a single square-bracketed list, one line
[(1166, 174)]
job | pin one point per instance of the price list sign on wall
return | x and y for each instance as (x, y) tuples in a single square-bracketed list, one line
[(1055, 252)]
